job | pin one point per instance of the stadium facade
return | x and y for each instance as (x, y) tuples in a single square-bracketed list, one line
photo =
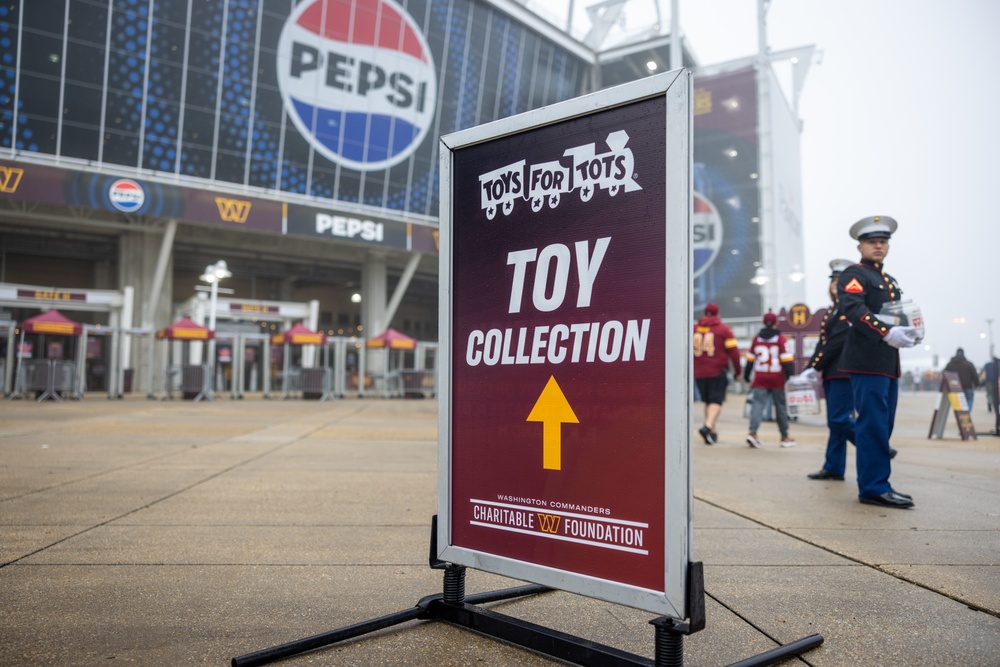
[(141, 140)]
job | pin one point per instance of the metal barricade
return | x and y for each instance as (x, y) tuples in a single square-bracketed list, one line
[(36, 375), (171, 383), (49, 378), (196, 382), (393, 384), (419, 383), (65, 379), (291, 381), (316, 383)]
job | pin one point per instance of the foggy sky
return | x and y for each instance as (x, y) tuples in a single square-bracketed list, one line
[(899, 118)]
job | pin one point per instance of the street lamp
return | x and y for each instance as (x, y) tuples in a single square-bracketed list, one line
[(934, 356), (760, 277), (213, 274)]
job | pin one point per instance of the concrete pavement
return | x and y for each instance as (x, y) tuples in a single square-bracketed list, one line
[(138, 532)]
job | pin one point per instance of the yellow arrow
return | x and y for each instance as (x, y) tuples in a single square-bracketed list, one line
[(553, 410)]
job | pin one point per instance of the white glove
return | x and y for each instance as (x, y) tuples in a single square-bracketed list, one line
[(901, 336), (809, 374)]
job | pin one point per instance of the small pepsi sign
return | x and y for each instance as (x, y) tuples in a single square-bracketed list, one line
[(358, 80), (126, 195)]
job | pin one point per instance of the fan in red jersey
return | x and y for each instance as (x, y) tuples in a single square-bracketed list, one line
[(715, 349), (771, 363)]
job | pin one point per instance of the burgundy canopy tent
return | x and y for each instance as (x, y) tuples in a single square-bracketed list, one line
[(392, 340), (195, 379), (299, 334), (185, 329), (388, 341), (52, 322), (48, 381)]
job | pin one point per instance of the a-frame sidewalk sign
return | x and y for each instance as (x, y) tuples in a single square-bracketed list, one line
[(952, 400), (564, 455)]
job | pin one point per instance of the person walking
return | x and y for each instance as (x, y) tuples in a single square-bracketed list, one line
[(990, 373), (967, 375), (836, 384), (870, 358), (771, 363), (715, 350)]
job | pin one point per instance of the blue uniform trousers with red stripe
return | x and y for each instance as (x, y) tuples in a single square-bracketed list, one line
[(840, 421), (875, 399)]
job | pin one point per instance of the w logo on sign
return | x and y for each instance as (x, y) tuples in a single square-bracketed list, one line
[(549, 523), (233, 210), (10, 178)]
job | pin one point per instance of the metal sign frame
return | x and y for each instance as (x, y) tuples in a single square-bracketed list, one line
[(675, 91)]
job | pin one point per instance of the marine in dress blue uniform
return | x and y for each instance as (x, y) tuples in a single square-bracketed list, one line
[(836, 383), (871, 358)]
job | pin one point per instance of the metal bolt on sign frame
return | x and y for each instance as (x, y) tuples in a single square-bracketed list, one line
[(453, 606)]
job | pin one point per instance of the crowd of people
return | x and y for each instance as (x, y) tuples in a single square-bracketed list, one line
[(856, 358)]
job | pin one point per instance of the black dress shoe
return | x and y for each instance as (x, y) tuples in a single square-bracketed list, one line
[(889, 499), (892, 453), (900, 493), (825, 474)]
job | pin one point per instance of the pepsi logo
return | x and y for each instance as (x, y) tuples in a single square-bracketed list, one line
[(126, 195), (358, 80), (706, 233)]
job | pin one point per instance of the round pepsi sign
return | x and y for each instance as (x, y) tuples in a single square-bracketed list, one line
[(706, 228), (126, 195), (358, 80)]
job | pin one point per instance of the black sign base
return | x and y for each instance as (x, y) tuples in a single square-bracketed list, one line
[(453, 606)]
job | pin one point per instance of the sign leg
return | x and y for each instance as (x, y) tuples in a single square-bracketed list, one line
[(669, 650), (454, 584)]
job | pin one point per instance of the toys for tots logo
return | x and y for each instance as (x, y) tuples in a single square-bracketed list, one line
[(580, 168)]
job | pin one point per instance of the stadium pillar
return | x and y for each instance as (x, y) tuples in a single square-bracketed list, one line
[(146, 261)]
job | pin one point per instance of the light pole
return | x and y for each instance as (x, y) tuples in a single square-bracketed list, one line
[(989, 330), (214, 273)]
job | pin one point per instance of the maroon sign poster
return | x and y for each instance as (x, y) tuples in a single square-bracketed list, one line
[(557, 345)]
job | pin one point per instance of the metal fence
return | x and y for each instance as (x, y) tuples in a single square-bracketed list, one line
[(418, 383), (48, 378), (196, 382), (65, 379), (317, 383), (344, 368)]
